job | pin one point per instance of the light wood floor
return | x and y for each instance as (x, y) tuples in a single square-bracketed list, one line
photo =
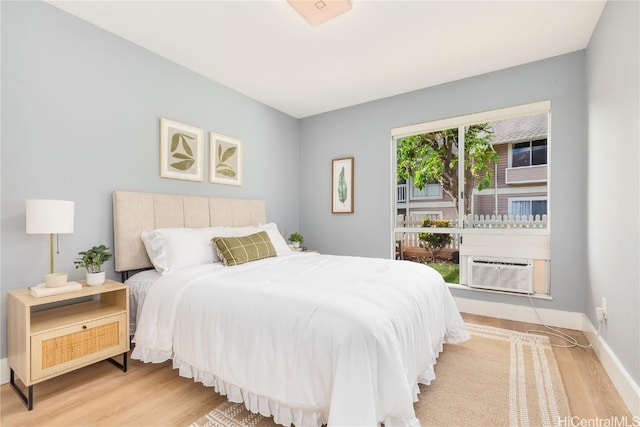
[(154, 395)]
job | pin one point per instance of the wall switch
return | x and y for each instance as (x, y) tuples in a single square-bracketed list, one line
[(604, 307)]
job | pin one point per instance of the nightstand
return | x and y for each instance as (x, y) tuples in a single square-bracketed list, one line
[(83, 327)]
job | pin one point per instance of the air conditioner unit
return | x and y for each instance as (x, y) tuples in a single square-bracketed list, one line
[(501, 274)]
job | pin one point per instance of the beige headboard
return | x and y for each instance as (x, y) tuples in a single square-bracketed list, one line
[(134, 213)]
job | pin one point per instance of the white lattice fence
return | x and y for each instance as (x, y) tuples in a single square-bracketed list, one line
[(506, 221), (410, 239)]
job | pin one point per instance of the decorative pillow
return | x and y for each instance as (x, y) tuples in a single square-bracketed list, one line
[(171, 249), (278, 242), (238, 250)]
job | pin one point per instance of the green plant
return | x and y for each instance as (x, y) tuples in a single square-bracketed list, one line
[(434, 242), (296, 237), (92, 259), (433, 157)]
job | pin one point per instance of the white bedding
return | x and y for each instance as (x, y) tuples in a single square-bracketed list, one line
[(139, 284), (307, 339)]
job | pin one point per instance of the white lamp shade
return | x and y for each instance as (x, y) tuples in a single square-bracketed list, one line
[(49, 216)]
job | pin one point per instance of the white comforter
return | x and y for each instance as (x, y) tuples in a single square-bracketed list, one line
[(308, 339)]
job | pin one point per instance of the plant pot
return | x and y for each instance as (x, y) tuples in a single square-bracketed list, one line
[(95, 279), (296, 244)]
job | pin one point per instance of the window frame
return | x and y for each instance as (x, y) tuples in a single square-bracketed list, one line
[(411, 187), (510, 200), (460, 122), (530, 142)]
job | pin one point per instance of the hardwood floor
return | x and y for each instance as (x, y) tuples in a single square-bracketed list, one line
[(154, 394)]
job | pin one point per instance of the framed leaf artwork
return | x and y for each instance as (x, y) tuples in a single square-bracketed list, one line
[(181, 151), (342, 185), (226, 159)]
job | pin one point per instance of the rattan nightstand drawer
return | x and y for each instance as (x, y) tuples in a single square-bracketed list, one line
[(65, 349)]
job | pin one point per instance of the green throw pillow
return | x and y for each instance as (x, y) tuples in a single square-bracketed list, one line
[(238, 250)]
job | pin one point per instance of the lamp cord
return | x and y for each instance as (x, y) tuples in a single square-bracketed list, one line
[(572, 342)]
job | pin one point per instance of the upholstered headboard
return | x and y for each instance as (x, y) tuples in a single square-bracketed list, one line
[(134, 213)]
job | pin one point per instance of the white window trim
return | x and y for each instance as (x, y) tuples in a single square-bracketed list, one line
[(510, 201), (541, 107), (410, 188), (530, 141)]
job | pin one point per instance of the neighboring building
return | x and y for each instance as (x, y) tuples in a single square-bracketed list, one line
[(519, 182)]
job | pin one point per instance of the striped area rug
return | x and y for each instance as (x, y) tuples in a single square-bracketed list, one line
[(497, 378)]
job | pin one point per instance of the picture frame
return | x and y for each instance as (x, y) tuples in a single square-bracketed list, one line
[(225, 154), (342, 189), (181, 151)]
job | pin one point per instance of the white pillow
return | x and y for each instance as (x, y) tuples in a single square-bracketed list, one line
[(172, 249), (278, 242)]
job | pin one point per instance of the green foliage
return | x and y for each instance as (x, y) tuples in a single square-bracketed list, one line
[(342, 187), (92, 259), (184, 159), (296, 237), (433, 157), (434, 242)]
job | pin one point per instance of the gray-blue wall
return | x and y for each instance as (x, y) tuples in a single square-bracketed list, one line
[(81, 113), (363, 131), (80, 116), (613, 258)]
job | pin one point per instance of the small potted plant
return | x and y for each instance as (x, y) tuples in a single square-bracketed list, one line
[(296, 239), (92, 259)]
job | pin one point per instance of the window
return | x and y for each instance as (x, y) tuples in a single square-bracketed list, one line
[(431, 191), (530, 153), (527, 207), (471, 156)]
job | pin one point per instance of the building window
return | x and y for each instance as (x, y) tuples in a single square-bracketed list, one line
[(530, 153), (527, 207), (430, 191)]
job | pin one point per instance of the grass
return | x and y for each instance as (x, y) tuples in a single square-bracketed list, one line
[(450, 272)]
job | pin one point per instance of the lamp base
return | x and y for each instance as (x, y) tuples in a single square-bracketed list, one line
[(54, 280)]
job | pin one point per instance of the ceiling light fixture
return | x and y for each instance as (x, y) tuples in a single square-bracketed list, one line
[(316, 12)]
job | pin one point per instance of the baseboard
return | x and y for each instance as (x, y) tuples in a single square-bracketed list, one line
[(522, 313), (4, 371), (626, 386), (622, 381)]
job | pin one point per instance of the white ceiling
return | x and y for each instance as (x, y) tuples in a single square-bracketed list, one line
[(264, 50)]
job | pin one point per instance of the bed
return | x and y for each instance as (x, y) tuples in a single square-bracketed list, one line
[(308, 339)]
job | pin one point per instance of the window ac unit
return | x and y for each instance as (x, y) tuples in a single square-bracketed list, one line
[(501, 274)]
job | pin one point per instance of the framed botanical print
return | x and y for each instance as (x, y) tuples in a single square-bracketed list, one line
[(181, 151), (342, 185), (226, 159)]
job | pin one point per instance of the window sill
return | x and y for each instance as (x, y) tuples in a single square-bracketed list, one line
[(491, 291)]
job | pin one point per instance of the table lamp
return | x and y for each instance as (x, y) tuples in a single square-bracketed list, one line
[(50, 217)]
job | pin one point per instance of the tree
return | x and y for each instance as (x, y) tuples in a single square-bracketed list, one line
[(434, 242), (433, 157)]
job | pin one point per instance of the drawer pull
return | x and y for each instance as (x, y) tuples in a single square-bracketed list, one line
[(84, 326)]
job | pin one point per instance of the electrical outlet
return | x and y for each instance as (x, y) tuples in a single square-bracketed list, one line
[(604, 307), (600, 314)]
